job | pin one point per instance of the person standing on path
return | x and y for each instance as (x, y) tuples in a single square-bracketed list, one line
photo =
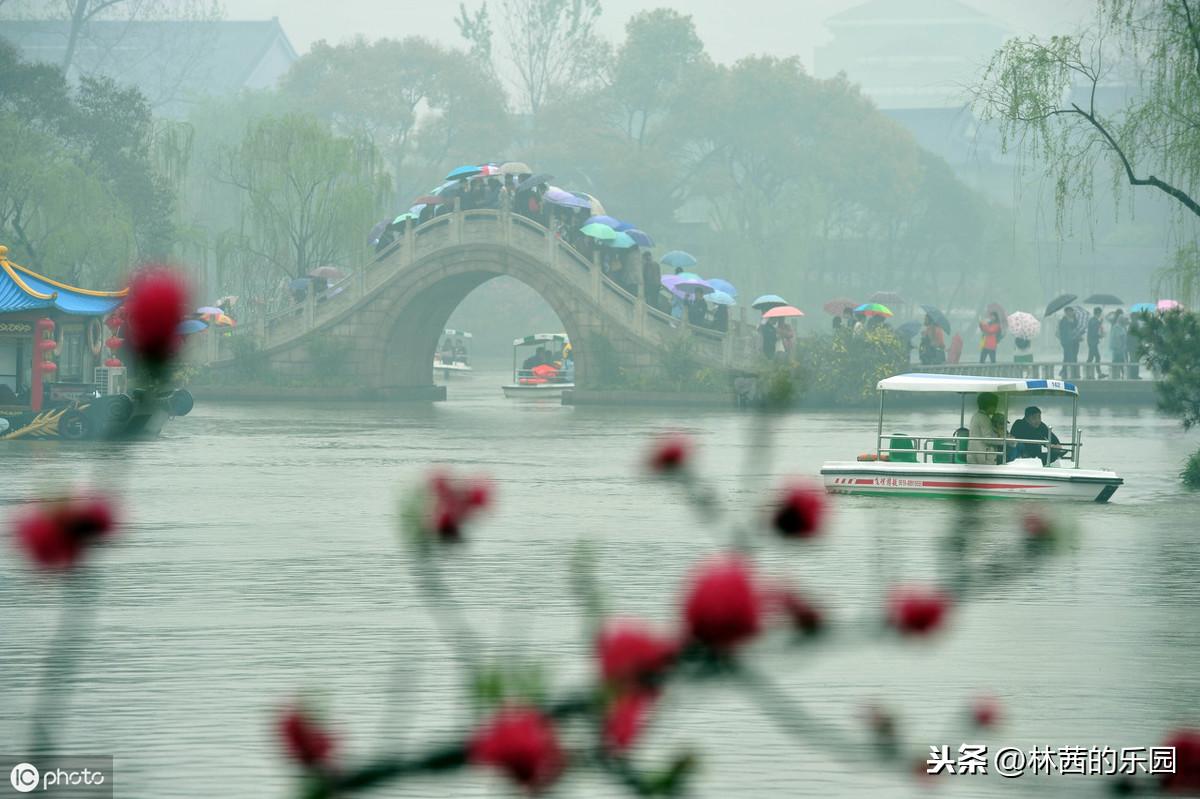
[(991, 337), (1095, 332), (1068, 336)]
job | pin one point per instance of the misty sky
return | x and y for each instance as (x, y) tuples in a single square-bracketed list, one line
[(730, 28)]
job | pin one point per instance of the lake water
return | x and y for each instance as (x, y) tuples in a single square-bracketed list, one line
[(261, 561)]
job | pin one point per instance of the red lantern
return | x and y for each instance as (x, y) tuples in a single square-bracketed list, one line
[(49, 367), (113, 363), (114, 322), (46, 344), (114, 343), (45, 325)]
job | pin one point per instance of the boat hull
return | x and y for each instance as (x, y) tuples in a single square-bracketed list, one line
[(448, 368), (1008, 481), (537, 390)]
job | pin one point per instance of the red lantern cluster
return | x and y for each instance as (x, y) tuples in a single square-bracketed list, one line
[(115, 320)]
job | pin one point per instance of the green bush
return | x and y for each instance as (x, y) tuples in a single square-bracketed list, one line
[(1191, 471), (843, 369)]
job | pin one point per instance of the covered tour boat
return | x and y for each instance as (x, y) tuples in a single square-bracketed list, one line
[(956, 464), (452, 355), (546, 373), (54, 381)]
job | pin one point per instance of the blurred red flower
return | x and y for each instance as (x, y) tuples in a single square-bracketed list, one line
[(55, 534), (521, 742), (799, 611), (157, 303), (800, 511), (626, 718), (454, 502), (723, 608), (670, 454), (916, 611), (631, 654), (304, 738), (1186, 778), (1037, 525), (985, 711)]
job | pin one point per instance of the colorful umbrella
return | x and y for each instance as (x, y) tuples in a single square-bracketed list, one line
[(1024, 325), (565, 199), (937, 316), (768, 301), (404, 218), (622, 241), (678, 258), (604, 220), (487, 171), (694, 284), (1104, 299), (224, 321), (209, 310), (430, 199), (463, 172), (873, 309), (189, 326), (719, 297), (887, 298), (593, 203), (723, 285), (838, 306), (621, 227), (642, 239), (1143, 307), (331, 273), (783, 312), (1169, 305), (599, 232), (515, 168), (998, 309), (1058, 303)]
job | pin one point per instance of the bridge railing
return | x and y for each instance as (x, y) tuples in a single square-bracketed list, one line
[(468, 227), (1042, 370)]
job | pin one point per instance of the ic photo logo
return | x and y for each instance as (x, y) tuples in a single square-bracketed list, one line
[(24, 777)]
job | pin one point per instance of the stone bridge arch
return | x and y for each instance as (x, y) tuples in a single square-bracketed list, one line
[(386, 319)]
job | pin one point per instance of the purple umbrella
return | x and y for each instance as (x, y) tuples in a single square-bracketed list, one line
[(565, 199), (642, 239), (686, 286), (621, 227)]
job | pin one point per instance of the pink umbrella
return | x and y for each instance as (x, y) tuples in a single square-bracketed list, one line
[(1169, 305), (783, 311)]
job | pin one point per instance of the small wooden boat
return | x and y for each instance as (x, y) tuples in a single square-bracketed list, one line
[(452, 355), (546, 374)]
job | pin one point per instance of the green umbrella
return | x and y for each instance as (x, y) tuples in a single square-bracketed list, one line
[(599, 231), (873, 309)]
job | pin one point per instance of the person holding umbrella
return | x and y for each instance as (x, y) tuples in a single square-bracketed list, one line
[(1068, 336), (1095, 332), (1119, 342), (933, 343)]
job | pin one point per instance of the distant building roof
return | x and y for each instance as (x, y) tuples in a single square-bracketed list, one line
[(172, 62), (908, 12), (23, 289)]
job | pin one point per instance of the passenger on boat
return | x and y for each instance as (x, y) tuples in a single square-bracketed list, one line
[(539, 358), (1031, 427), (981, 428)]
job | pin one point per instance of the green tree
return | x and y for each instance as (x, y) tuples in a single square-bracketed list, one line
[(1170, 344), (1052, 100), (308, 195)]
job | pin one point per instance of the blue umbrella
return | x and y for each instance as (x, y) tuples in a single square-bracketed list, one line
[(768, 301), (720, 297), (723, 286), (642, 239), (623, 241), (621, 227), (463, 172), (190, 326), (1143, 307), (611, 221), (678, 258)]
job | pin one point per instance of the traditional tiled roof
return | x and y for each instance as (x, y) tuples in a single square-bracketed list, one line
[(23, 289)]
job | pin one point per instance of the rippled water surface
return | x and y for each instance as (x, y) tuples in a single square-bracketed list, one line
[(261, 561)]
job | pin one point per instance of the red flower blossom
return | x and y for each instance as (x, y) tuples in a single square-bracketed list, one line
[(626, 718), (800, 612), (670, 454), (1036, 525), (881, 721), (1186, 778), (916, 611), (631, 654), (985, 711), (800, 512), (306, 741), (157, 303), (723, 608), (521, 742), (56, 534), (454, 502)]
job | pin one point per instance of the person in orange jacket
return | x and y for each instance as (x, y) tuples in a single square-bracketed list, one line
[(991, 337)]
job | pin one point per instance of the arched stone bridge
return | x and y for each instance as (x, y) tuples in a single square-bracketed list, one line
[(390, 314)]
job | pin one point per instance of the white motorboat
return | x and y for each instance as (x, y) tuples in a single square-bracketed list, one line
[(547, 373), (940, 466), (452, 355)]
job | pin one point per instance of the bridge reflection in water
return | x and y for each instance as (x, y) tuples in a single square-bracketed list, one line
[(387, 316)]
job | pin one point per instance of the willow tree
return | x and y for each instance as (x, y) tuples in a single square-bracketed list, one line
[(1053, 100), (309, 196)]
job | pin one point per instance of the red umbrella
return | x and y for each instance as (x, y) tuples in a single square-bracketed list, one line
[(429, 199), (837, 307), (999, 309), (783, 311)]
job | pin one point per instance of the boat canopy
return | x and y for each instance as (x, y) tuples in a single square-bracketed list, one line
[(23, 289), (971, 384), (458, 333), (539, 338)]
